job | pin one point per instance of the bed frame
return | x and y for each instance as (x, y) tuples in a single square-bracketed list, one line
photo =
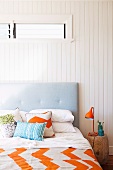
[(29, 96)]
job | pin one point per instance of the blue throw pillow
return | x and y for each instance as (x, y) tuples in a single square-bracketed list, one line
[(33, 131)]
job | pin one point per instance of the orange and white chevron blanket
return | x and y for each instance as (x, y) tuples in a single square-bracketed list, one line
[(59, 153), (48, 159)]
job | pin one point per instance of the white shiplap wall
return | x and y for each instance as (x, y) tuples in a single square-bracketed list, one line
[(88, 60)]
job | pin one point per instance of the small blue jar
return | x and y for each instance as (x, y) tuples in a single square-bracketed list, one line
[(100, 132), (100, 129)]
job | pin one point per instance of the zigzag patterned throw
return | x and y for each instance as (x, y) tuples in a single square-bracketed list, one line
[(48, 159)]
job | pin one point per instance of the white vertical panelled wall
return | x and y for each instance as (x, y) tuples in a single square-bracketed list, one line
[(88, 60)]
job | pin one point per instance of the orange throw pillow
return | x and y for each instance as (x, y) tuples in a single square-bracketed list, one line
[(42, 118)]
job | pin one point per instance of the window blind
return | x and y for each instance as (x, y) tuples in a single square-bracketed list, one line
[(40, 31)]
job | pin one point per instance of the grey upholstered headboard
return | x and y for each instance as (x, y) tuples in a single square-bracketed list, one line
[(29, 96)]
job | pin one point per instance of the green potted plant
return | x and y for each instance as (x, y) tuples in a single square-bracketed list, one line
[(7, 127)]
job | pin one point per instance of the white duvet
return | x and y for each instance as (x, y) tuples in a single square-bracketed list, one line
[(75, 140)]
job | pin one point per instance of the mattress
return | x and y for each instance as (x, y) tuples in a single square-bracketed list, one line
[(64, 151)]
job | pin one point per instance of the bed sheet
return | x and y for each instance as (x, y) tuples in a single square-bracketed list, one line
[(65, 151)]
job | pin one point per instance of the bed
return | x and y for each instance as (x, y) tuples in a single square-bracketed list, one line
[(65, 149)]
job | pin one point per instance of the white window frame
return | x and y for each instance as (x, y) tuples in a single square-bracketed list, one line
[(52, 19)]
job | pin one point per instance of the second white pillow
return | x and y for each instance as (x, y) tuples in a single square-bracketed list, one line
[(15, 112), (64, 127)]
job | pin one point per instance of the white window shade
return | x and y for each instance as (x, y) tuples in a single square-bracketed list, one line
[(40, 31), (4, 31)]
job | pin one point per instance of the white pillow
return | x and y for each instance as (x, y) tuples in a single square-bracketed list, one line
[(15, 112), (58, 115), (64, 127), (23, 115)]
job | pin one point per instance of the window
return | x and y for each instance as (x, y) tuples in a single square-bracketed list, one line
[(34, 27)]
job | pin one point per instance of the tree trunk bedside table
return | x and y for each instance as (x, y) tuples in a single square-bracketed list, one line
[(100, 147)]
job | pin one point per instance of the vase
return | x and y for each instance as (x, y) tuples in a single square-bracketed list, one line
[(100, 132), (7, 130), (100, 129)]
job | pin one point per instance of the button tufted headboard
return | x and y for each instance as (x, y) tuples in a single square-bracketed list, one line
[(29, 96)]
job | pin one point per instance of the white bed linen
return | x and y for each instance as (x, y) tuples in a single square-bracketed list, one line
[(75, 140)]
